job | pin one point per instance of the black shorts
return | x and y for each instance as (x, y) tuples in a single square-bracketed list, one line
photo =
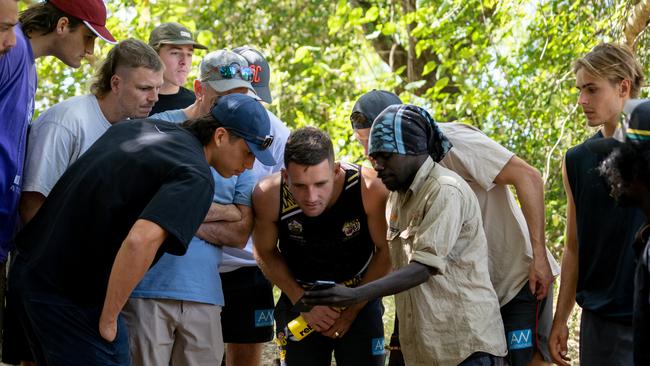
[(362, 344), (521, 320), (247, 316)]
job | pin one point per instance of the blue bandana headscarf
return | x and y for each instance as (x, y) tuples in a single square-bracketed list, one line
[(407, 130)]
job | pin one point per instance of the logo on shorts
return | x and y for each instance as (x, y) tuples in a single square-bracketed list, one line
[(264, 318), (518, 339), (351, 227), (377, 346)]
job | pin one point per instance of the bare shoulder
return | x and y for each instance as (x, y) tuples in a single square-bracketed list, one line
[(373, 191), (266, 197)]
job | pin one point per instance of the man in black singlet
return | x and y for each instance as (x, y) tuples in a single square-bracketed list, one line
[(320, 220)]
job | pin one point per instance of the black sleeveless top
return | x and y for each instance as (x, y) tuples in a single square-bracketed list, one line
[(605, 233), (334, 246)]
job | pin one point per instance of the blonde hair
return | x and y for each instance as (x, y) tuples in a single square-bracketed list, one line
[(613, 62)]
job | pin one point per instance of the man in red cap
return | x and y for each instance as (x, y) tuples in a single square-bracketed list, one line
[(65, 29)]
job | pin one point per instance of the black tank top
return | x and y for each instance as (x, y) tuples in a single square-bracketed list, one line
[(334, 246), (605, 233)]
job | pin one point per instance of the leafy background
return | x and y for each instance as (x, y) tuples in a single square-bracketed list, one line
[(503, 66)]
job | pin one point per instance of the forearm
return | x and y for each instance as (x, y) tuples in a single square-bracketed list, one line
[(403, 279), (219, 212), (231, 234), (529, 187), (568, 284), (132, 261), (275, 269)]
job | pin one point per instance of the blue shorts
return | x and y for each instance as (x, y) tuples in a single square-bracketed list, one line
[(60, 331), (362, 344)]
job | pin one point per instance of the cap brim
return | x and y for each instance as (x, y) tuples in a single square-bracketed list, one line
[(181, 42), (264, 93), (229, 84), (263, 155), (604, 146), (101, 32)]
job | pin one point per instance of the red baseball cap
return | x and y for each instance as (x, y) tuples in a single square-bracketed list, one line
[(91, 12)]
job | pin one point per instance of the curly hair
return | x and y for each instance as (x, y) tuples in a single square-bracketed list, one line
[(627, 163)]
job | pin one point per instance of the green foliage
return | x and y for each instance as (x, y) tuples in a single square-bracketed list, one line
[(503, 66)]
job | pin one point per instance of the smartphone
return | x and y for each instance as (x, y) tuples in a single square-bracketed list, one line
[(322, 285), (316, 285), (301, 307)]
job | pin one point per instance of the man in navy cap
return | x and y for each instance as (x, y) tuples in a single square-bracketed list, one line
[(247, 317), (141, 190)]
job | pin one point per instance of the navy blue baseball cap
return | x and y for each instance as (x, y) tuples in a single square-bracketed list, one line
[(246, 117)]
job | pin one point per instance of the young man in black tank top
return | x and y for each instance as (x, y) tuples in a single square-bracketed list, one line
[(598, 260), (329, 221)]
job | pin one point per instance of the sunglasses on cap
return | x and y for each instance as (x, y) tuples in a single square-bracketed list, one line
[(264, 142), (221, 72)]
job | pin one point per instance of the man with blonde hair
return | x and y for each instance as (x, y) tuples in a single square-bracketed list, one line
[(598, 259)]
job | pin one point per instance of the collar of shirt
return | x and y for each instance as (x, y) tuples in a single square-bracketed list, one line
[(419, 179)]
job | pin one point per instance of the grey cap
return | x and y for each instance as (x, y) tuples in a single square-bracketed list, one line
[(172, 33), (261, 69), (210, 73)]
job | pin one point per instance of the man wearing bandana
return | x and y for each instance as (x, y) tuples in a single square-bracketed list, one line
[(448, 309)]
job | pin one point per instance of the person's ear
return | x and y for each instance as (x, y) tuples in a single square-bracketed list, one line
[(285, 174), (219, 136), (115, 82), (198, 88), (625, 88), (337, 168), (61, 24)]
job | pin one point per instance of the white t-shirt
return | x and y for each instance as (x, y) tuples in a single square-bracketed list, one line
[(58, 137), (234, 258), (479, 159)]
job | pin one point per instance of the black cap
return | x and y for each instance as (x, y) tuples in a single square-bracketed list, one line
[(370, 105)]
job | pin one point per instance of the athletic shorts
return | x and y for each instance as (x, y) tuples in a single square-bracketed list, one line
[(247, 316), (605, 341), (362, 344), (527, 325)]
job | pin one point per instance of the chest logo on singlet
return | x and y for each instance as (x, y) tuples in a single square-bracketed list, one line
[(351, 227), (295, 227)]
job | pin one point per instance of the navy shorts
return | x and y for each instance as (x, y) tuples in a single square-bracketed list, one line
[(60, 331), (362, 344), (247, 316), (521, 317)]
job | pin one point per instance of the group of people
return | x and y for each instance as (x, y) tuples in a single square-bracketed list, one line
[(147, 223)]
